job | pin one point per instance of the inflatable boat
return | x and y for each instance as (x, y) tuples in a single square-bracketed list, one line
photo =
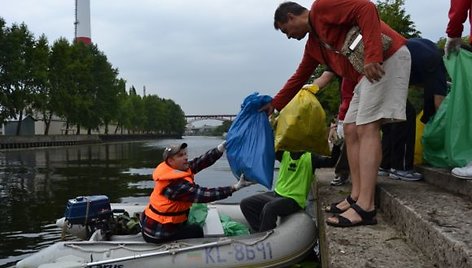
[(292, 239)]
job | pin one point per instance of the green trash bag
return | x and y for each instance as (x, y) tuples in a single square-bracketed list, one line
[(197, 214), (447, 138), (231, 227), (434, 137), (199, 211)]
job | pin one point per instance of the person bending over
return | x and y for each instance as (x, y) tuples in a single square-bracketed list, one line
[(381, 90)]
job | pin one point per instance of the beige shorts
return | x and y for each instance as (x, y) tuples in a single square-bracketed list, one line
[(384, 99)]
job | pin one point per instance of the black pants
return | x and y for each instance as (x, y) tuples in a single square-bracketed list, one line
[(262, 210), (185, 231), (342, 165), (398, 142)]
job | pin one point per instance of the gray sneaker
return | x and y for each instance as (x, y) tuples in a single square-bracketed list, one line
[(405, 175), (339, 180), (383, 172)]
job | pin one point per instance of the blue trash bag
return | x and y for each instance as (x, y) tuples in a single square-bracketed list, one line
[(250, 142)]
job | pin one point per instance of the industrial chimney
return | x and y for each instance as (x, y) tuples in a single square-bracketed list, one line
[(82, 21)]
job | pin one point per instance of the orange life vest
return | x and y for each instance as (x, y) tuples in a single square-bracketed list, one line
[(161, 208)]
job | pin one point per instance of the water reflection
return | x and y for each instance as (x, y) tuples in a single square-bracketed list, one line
[(35, 185)]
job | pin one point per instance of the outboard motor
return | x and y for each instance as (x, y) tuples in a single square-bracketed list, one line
[(93, 212)]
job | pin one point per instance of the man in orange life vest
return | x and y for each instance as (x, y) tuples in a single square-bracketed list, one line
[(165, 218)]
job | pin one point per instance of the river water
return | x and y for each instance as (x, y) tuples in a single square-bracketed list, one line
[(35, 185)]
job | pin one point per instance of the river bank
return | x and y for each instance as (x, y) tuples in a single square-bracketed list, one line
[(34, 141)]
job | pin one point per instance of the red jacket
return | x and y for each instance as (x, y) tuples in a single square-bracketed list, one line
[(457, 16), (332, 20)]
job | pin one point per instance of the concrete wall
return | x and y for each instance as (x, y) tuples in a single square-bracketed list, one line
[(29, 126)]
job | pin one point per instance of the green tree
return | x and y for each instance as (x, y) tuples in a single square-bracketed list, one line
[(17, 72), (121, 117), (393, 13), (104, 91), (136, 113), (79, 110), (41, 98), (154, 110), (223, 128), (3, 83), (60, 73), (175, 117), (77, 83)]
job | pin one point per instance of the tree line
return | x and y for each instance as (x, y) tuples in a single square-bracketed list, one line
[(76, 83)]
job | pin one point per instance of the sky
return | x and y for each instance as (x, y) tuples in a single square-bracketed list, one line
[(205, 55)]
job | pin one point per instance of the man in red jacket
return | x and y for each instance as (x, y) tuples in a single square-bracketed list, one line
[(379, 97), (457, 16)]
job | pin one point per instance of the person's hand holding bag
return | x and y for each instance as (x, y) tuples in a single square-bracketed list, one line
[(221, 147), (452, 45), (242, 183)]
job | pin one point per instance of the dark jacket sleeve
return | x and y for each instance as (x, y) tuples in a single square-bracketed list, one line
[(320, 161), (205, 160), (182, 190), (279, 155)]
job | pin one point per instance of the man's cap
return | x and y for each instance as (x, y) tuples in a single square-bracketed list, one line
[(172, 150)]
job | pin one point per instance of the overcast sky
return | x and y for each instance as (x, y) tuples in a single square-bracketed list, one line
[(206, 55)]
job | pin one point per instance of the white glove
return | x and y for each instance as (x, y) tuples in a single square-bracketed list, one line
[(242, 183), (221, 147), (340, 129), (452, 45)]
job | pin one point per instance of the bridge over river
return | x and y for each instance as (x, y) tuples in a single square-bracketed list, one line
[(191, 129), (201, 117)]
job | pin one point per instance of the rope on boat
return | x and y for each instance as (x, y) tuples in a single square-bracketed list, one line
[(119, 246), (151, 254), (172, 248), (268, 233)]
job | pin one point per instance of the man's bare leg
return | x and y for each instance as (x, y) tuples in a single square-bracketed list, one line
[(367, 160), (352, 142)]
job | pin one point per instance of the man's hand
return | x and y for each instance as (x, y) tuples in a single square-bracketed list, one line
[(268, 108), (222, 146), (332, 135), (452, 45), (373, 71), (241, 183)]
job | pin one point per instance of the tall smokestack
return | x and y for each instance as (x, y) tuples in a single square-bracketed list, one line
[(82, 21)]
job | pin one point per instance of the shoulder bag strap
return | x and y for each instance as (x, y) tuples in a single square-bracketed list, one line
[(322, 44)]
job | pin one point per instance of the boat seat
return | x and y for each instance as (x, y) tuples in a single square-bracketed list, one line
[(213, 226)]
